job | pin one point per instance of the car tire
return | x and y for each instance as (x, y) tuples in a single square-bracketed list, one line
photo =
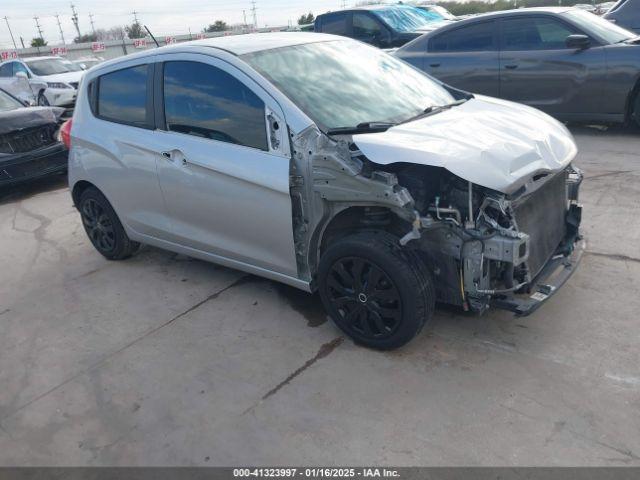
[(103, 227), (42, 100), (636, 109), (377, 293)]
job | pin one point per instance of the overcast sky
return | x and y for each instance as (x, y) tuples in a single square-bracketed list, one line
[(161, 16)]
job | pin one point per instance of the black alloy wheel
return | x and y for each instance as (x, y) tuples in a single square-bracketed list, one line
[(377, 292), (103, 227), (98, 226), (366, 299)]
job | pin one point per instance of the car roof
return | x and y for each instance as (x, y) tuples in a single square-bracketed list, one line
[(240, 44), (381, 6), (519, 11)]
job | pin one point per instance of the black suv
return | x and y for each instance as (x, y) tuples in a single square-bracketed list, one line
[(384, 26)]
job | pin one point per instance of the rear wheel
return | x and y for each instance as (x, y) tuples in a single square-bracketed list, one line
[(378, 294), (636, 109), (103, 226)]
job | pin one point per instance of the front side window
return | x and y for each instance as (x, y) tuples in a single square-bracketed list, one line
[(6, 70), (356, 83), (365, 27), (534, 34), (122, 96), (334, 23), (474, 38), (204, 101), (18, 67)]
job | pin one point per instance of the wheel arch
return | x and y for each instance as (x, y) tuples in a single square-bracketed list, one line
[(79, 188), (631, 98), (353, 219)]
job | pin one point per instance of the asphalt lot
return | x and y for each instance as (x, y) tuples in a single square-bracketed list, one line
[(165, 360)]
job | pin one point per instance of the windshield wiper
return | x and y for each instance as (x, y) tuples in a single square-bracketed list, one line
[(364, 127), (435, 109)]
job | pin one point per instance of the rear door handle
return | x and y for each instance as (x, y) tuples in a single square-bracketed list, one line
[(434, 65), (511, 66)]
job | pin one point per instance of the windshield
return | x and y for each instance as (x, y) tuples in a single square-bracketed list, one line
[(49, 66), (406, 18), (8, 103), (599, 26), (344, 83)]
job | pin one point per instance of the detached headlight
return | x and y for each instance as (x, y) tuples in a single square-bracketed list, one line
[(57, 85)]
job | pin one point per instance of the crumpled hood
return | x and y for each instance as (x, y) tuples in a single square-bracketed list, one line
[(21, 118), (63, 77), (490, 142)]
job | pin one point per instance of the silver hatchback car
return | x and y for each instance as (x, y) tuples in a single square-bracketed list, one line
[(327, 164)]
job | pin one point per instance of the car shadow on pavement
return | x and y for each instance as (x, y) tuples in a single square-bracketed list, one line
[(22, 191)]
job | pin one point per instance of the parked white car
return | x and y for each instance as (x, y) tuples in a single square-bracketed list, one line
[(60, 76), (329, 165)]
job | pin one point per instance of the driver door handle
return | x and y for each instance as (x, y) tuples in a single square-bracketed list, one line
[(434, 65), (172, 154), (511, 66)]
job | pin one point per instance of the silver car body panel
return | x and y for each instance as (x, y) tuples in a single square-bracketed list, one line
[(266, 212)]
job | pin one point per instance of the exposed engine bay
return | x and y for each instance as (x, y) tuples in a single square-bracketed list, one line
[(483, 247)]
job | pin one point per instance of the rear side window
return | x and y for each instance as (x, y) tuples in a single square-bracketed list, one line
[(122, 96), (474, 38), (204, 101), (334, 23)]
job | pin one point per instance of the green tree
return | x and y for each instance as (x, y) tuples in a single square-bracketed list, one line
[(306, 19), (89, 37), (134, 30), (217, 26), (38, 42)]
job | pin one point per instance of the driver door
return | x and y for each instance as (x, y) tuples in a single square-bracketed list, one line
[(537, 68), (223, 163)]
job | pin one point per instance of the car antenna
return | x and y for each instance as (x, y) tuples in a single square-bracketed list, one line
[(154, 38)]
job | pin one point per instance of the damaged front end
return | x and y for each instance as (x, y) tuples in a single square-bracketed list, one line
[(483, 247), (507, 251)]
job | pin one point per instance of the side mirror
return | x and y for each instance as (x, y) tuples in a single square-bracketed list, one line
[(21, 75), (83, 66), (579, 42)]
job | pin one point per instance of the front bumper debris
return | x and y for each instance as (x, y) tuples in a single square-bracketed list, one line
[(552, 276)]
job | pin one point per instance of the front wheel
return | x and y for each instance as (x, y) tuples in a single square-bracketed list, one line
[(42, 100), (378, 294)]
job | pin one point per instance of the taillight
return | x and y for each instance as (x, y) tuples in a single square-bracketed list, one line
[(65, 133)]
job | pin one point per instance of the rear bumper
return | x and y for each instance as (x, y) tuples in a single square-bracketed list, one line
[(552, 276), (48, 160)]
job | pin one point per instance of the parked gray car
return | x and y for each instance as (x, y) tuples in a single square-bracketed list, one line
[(564, 61), (625, 13)]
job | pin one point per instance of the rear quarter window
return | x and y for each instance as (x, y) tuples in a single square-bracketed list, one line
[(122, 96)]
